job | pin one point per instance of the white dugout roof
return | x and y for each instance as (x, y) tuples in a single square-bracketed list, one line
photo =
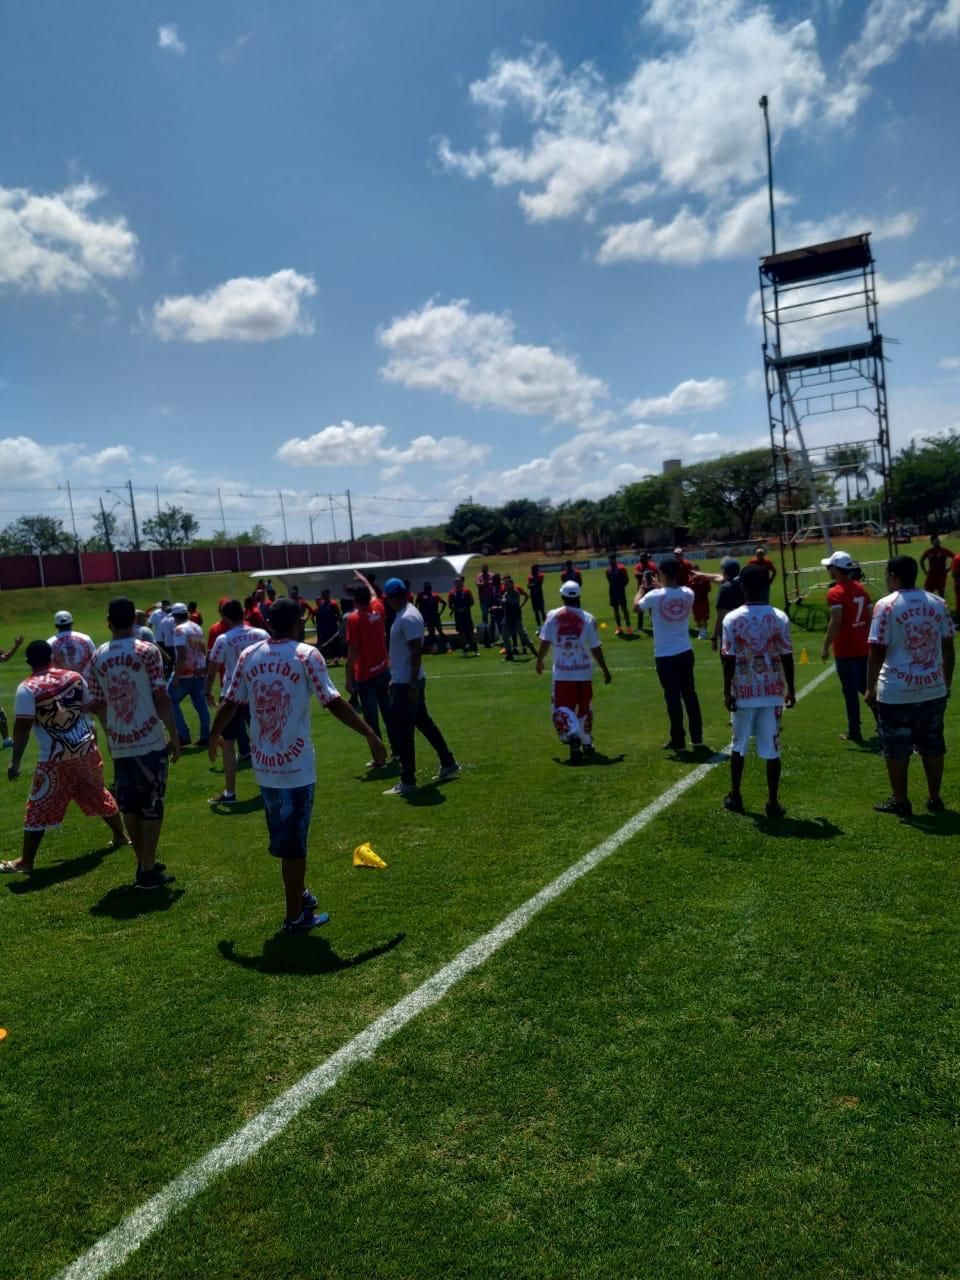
[(439, 571)]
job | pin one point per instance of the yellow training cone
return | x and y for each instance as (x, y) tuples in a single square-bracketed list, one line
[(603, 626), (363, 856), (804, 657)]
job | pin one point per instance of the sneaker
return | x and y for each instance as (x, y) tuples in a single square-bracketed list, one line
[(588, 748), (225, 797), (852, 737), (575, 753), (155, 878), (903, 808), (309, 901), (673, 746), (697, 746), (935, 805), (773, 809), (8, 742), (448, 771), (305, 921), (401, 789), (733, 803)]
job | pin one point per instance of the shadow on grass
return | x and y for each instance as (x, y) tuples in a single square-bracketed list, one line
[(796, 828), (59, 872), (251, 805), (936, 824), (429, 794), (307, 954), (126, 903), (386, 771)]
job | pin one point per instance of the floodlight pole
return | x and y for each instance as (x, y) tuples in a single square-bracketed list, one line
[(773, 219)]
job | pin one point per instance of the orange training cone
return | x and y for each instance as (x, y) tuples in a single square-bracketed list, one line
[(804, 657), (363, 856)]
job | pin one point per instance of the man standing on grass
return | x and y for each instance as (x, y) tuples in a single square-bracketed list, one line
[(460, 602), (535, 591), (847, 632), (576, 646), (431, 608), (277, 679), (222, 662), (645, 573), (617, 580), (909, 671), (936, 562), (5, 739), (190, 668), (760, 558), (126, 680), (515, 638), (327, 617), (72, 650), (669, 606), (368, 666), (757, 684), (486, 594), (729, 597), (52, 702), (408, 704)]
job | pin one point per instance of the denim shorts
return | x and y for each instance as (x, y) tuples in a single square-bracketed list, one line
[(288, 811), (908, 726)]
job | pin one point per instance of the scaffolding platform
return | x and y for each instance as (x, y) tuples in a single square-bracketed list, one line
[(818, 261)]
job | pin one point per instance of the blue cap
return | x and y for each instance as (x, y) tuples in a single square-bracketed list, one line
[(394, 587)]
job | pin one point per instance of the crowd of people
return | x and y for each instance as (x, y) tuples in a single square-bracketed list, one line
[(252, 677)]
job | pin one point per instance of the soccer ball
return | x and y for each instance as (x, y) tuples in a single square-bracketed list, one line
[(603, 626)]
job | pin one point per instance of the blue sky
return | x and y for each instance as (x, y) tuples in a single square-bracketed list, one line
[(431, 250)]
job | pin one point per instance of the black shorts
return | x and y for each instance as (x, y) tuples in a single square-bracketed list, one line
[(142, 784), (908, 726), (233, 730)]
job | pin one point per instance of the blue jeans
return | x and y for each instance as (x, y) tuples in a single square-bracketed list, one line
[(190, 687), (853, 682), (288, 811), (374, 695)]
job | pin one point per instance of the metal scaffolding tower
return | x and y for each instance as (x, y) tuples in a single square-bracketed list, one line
[(805, 293)]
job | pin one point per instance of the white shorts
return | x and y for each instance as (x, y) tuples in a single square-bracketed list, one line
[(761, 723)]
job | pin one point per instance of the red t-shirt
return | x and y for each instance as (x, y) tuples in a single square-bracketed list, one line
[(956, 566), (686, 568), (853, 598), (937, 561), (217, 629), (366, 631)]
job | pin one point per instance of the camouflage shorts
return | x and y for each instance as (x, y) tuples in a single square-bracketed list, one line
[(906, 727)]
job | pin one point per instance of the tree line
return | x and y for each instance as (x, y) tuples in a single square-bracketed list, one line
[(732, 494)]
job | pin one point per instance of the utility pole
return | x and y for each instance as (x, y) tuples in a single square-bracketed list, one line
[(133, 513), (283, 516), (156, 490), (73, 519), (106, 528), (223, 518), (773, 221), (333, 518), (350, 514)]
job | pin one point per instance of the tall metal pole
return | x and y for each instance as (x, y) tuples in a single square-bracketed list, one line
[(310, 518), (106, 527), (223, 518), (73, 518), (333, 518), (133, 513), (283, 516), (156, 490), (773, 219), (350, 514)]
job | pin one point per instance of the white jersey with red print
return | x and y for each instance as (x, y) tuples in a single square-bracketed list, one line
[(912, 625), (190, 649), (669, 609), (277, 679), (573, 634), (72, 651), (125, 674), (229, 645), (55, 700), (757, 636)]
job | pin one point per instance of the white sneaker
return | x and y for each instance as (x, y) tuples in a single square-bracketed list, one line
[(8, 742), (448, 771), (400, 789)]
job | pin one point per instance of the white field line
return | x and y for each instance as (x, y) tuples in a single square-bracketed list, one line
[(113, 1249)]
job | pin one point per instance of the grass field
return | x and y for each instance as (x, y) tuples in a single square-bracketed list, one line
[(730, 1050)]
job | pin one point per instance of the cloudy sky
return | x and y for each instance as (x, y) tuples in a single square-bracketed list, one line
[(426, 250)]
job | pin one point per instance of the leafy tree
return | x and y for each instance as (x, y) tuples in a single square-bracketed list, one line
[(35, 535), (525, 519), (254, 537), (647, 504), (737, 485), (926, 477), (473, 525), (173, 527)]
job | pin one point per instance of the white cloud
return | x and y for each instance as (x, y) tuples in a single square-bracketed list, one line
[(474, 357), (946, 22), (949, 362), (51, 243), (169, 38), (737, 230), (33, 462), (687, 397), (246, 309), (815, 318), (230, 52), (346, 444)]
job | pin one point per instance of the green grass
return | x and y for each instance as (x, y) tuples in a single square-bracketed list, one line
[(731, 1050)]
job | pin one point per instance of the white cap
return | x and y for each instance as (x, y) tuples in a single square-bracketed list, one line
[(839, 560), (570, 590), (178, 608), (63, 619)]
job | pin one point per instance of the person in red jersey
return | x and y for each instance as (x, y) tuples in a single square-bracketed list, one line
[(848, 634), (701, 585), (570, 573), (535, 592), (936, 562), (686, 567), (617, 580), (760, 558), (52, 703), (327, 617), (460, 604), (220, 626), (368, 665), (193, 613), (486, 595), (253, 613), (572, 632), (645, 574), (431, 607)]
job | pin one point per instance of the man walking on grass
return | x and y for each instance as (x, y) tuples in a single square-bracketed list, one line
[(572, 632), (72, 650), (847, 632), (277, 679), (51, 702), (127, 682), (669, 606), (190, 669), (758, 683), (224, 656), (408, 703), (909, 672)]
